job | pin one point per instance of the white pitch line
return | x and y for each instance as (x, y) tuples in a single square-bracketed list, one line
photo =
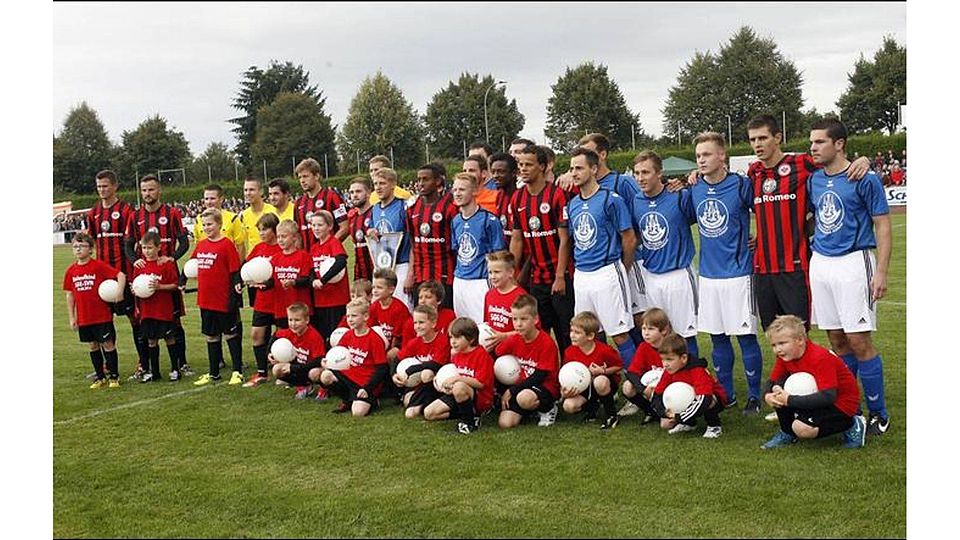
[(893, 303), (127, 406)]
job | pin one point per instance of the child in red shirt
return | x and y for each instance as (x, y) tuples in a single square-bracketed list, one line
[(710, 398), (218, 296), (430, 293), (604, 364), (831, 409), (501, 267), (292, 273), (655, 325), (156, 312), (89, 314), (469, 393), (263, 299), (432, 349), (386, 312), (329, 298), (305, 368), (359, 386), (538, 388)]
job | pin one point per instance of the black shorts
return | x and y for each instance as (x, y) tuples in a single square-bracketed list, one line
[(451, 403), (785, 293), (99, 333), (547, 400), (830, 420), (555, 310), (352, 389), (423, 395), (298, 375), (157, 329), (262, 319), (214, 323), (124, 306), (326, 319)]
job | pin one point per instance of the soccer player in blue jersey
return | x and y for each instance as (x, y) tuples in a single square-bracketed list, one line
[(476, 232), (723, 201), (603, 249), (389, 214), (663, 219), (846, 278)]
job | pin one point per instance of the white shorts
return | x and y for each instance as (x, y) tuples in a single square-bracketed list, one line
[(606, 293), (638, 293), (727, 306), (675, 292), (840, 287), (468, 296), (402, 269)]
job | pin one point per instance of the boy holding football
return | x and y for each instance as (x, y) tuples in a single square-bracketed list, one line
[(156, 312), (709, 399), (432, 349), (604, 364), (468, 394), (305, 368), (359, 386)]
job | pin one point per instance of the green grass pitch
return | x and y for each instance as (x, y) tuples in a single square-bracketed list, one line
[(173, 460)]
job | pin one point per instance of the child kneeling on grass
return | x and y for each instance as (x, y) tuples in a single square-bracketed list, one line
[(831, 409), (468, 394), (604, 364), (359, 386), (304, 370), (709, 399), (432, 349), (654, 327)]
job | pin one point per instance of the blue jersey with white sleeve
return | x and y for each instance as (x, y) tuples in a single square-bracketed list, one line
[(471, 239), (393, 218), (723, 221), (664, 224), (844, 211), (595, 225)]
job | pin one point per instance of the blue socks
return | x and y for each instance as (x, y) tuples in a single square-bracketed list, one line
[(723, 362), (852, 363), (627, 349), (871, 376), (752, 363), (693, 351)]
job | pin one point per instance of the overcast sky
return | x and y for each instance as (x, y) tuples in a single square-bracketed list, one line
[(184, 60)]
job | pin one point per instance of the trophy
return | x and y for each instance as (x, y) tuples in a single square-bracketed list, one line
[(384, 251)]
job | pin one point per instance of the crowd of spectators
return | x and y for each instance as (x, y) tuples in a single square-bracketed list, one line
[(891, 168)]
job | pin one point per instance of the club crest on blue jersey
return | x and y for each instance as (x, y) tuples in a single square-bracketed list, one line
[(829, 213), (655, 230), (384, 227), (585, 231), (712, 216), (468, 249)]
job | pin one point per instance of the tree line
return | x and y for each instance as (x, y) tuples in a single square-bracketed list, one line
[(281, 115)]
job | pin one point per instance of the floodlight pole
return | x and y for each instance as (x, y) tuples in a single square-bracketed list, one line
[(486, 127), (729, 131)]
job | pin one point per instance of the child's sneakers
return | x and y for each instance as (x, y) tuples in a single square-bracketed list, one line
[(713, 432), (114, 383), (187, 371), (174, 376), (548, 418), (610, 423), (148, 377), (99, 383), (778, 440), (680, 428), (467, 428), (877, 425), (205, 379), (629, 409), (856, 435), (137, 375), (322, 394), (771, 417), (236, 378), (302, 392), (255, 380)]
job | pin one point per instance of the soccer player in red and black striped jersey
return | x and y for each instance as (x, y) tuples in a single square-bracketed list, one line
[(429, 221), (316, 197), (107, 223), (538, 217), (503, 173), (780, 201), (167, 221), (359, 219)]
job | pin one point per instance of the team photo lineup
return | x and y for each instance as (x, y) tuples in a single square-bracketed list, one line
[(507, 294)]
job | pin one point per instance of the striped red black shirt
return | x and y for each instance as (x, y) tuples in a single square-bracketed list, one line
[(359, 222), (538, 217), (430, 226), (780, 206), (503, 212), (166, 221), (108, 227), (305, 205)]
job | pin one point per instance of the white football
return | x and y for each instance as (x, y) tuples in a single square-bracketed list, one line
[(486, 334), (283, 351), (338, 358), (337, 335), (445, 373), (678, 396), (575, 375), (109, 291), (383, 335), (190, 268), (256, 270), (800, 384), (403, 365), (325, 267), (651, 377), (507, 369), (141, 286)]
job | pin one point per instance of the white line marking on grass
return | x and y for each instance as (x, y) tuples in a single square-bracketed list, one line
[(127, 406), (893, 303)]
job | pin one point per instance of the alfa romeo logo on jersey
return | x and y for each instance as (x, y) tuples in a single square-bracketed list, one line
[(769, 185), (436, 217), (585, 231), (308, 215), (503, 222), (154, 229), (784, 169), (829, 213), (424, 228), (534, 223), (468, 249), (358, 235), (162, 220), (115, 215), (544, 208), (712, 216), (105, 226), (654, 231)]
